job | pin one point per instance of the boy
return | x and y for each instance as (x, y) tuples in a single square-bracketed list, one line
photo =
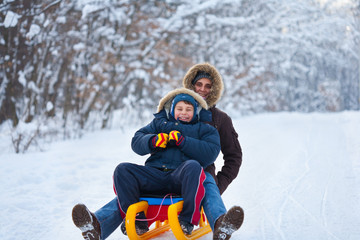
[(181, 144)]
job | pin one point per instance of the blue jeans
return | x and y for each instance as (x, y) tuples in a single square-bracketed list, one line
[(213, 204), (109, 215), (109, 218)]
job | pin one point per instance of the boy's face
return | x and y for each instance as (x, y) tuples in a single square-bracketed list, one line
[(203, 87), (184, 111)]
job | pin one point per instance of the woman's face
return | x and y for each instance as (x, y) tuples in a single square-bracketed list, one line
[(203, 87)]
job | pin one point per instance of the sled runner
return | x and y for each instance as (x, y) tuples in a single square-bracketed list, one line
[(162, 215)]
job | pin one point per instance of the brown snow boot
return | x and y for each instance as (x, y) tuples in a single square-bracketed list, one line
[(86, 221), (228, 223)]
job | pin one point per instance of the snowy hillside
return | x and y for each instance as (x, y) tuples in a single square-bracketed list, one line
[(300, 179)]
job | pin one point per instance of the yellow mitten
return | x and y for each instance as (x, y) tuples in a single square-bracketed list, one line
[(160, 140), (175, 138)]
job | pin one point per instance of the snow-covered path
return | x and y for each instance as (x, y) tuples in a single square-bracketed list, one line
[(300, 179)]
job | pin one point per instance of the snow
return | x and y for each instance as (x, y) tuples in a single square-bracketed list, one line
[(34, 30), (22, 78), (49, 106), (79, 46), (3, 85), (11, 19), (300, 179), (89, 8)]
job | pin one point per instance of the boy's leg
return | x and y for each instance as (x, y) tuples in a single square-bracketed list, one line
[(189, 178), (213, 204), (130, 180), (109, 218)]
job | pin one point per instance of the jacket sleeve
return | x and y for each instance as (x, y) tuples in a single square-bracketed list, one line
[(205, 149), (232, 153), (140, 143)]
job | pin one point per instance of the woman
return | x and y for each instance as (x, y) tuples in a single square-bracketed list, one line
[(205, 80)]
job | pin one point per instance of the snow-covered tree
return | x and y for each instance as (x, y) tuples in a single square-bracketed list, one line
[(70, 65)]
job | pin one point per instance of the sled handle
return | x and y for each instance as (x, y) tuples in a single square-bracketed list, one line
[(135, 208), (173, 212), (131, 216)]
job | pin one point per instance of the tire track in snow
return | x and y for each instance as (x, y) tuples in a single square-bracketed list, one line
[(275, 226), (311, 216), (296, 183)]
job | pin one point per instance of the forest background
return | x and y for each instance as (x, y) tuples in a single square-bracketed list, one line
[(72, 66)]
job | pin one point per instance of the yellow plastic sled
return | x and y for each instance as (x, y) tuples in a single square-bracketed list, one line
[(162, 218)]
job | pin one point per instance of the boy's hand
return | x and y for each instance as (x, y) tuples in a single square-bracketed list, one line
[(175, 138), (160, 140)]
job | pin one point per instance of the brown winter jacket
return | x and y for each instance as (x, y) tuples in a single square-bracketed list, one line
[(230, 146)]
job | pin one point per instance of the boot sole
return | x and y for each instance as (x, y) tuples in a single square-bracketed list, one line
[(81, 216), (83, 219), (234, 217), (231, 222)]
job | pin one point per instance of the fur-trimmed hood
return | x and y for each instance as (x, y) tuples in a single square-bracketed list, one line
[(165, 102), (218, 84)]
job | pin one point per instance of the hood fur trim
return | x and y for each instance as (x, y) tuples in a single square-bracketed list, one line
[(165, 102), (218, 84)]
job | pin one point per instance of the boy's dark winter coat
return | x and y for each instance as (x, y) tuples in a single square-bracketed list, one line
[(202, 141)]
